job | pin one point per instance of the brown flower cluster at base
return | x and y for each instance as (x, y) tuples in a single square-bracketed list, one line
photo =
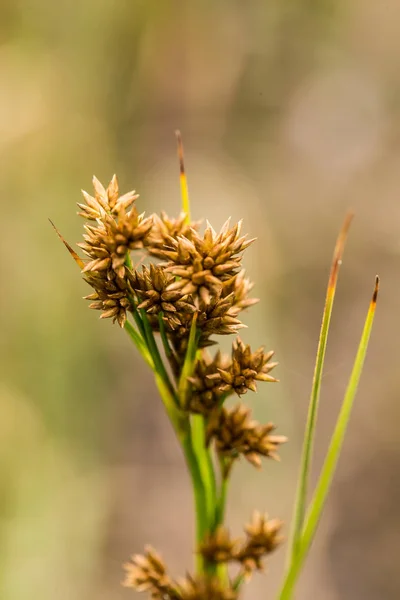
[(205, 588), (147, 573)]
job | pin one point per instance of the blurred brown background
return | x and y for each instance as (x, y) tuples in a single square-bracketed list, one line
[(290, 115)]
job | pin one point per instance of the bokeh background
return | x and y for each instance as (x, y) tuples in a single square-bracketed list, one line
[(290, 114)]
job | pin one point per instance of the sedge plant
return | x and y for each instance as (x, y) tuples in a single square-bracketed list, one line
[(174, 290)]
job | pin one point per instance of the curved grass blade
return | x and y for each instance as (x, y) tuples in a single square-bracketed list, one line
[(302, 488), (331, 460), (183, 179)]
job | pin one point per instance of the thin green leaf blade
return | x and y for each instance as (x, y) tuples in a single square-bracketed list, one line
[(304, 474), (321, 492)]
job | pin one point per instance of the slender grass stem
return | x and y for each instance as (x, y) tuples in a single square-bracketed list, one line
[(221, 500), (139, 343), (324, 482), (164, 338), (189, 363), (205, 465), (303, 480), (153, 348)]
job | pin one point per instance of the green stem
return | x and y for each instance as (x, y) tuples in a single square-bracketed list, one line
[(189, 362), (164, 338), (139, 343), (205, 465), (153, 348), (221, 501), (200, 498)]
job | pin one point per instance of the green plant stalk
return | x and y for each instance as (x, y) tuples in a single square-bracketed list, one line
[(163, 334), (153, 349), (139, 343), (205, 465), (200, 496), (189, 363), (222, 569), (303, 480), (181, 425), (221, 501), (332, 457)]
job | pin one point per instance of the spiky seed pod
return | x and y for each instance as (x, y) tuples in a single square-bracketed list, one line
[(105, 200), (218, 547), (240, 286), (205, 588), (215, 317), (165, 228), (260, 443), (208, 388), (205, 262), (147, 573), (108, 244), (111, 295), (235, 433), (151, 287), (247, 367), (263, 537), (229, 429)]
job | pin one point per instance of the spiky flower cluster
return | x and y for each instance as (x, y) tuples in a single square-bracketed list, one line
[(262, 537), (190, 288), (148, 572), (119, 229)]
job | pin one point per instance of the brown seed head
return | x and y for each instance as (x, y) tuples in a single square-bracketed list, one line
[(218, 547), (208, 389), (147, 573), (205, 588), (105, 200), (235, 433), (110, 295), (117, 232), (151, 287), (247, 367), (263, 536), (204, 262), (165, 228)]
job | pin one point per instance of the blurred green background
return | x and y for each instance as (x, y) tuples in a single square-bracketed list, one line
[(290, 115)]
